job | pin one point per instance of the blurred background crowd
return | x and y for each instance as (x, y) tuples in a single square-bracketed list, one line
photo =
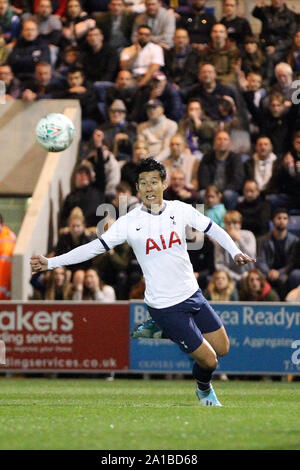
[(215, 103)]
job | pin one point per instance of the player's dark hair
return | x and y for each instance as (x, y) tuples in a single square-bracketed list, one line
[(150, 164)]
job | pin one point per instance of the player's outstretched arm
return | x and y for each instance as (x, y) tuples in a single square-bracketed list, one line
[(76, 256)]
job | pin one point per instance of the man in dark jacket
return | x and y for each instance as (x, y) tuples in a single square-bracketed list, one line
[(124, 89), (198, 23), (44, 85), (28, 51), (275, 250), (255, 210), (222, 168), (209, 91), (87, 194), (180, 62), (100, 62), (278, 28), (116, 25)]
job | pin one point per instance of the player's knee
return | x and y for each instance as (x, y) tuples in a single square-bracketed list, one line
[(224, 348), (211, 362)]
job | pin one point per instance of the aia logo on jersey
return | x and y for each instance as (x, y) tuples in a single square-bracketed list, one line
[(152, 245)]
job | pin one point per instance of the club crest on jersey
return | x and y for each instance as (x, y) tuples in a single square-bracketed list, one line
[(162, 244)]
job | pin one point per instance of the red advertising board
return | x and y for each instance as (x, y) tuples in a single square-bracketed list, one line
[(86, 337)]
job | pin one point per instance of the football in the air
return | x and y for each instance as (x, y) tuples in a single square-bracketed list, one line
[(55, 132)]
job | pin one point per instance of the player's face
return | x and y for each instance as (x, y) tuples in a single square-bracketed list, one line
[(251, 191), (281, 221), (151, 188)]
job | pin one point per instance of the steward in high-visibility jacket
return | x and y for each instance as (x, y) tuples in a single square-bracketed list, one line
[(7, 245)]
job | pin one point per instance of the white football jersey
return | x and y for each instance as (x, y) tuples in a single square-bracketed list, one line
[(159, 243)]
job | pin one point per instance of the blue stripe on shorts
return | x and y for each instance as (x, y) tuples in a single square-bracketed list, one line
[(184, 323)]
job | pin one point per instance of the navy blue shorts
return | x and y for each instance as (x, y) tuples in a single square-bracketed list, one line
[(185, 322)]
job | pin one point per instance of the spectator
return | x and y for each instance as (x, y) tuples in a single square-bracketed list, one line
[(7, 246), (123, 201), (143, 58), (157, 131), (260, 166), (284, 77), (49, 25), (278, 27), (66, 60), (9, 24), (255, 288), (87, 194), (119, 134), (180, 62), (237, 27), (229, 120), (100, 154), (275, 250), (12, 84), (28, 51), (255, 210), (76, 24), (214, 208), (293, 57), (181, 158), (222, 168), (244, 239), (158, 88), (43, 86), (293, 295), (277, 122), (197, 129), (93, 288), (161, 22), (128, 171), (5, 50), (283, 188), (124, 90), (198, 23), (209, 91), (253, 60), (100, 61), (253, 93), (221, 288), (79, 88), (53, 285), (75, 235), (116, 25), (221, 54), (113, 267), (294, 267), (179, 190)]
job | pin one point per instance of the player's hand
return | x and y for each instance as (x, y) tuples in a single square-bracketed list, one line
[(242, 258), (38, 263)]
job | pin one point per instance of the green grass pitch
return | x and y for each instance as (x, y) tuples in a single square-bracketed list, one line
[(141, 414)]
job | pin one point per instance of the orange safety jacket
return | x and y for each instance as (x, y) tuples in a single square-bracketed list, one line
[(7, 245)]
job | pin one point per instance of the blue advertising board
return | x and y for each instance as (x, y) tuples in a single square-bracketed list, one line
[(264, 338)]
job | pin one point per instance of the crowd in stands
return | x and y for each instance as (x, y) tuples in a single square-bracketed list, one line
[(215, 103)]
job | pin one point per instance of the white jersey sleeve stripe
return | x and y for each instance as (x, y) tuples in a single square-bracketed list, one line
[(104, 244)]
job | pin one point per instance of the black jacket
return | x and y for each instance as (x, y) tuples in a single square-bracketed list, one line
[(256, 216), (99, 66), (185, 75), (25, 55), (266, 252), (210, 101), (234, 171)]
